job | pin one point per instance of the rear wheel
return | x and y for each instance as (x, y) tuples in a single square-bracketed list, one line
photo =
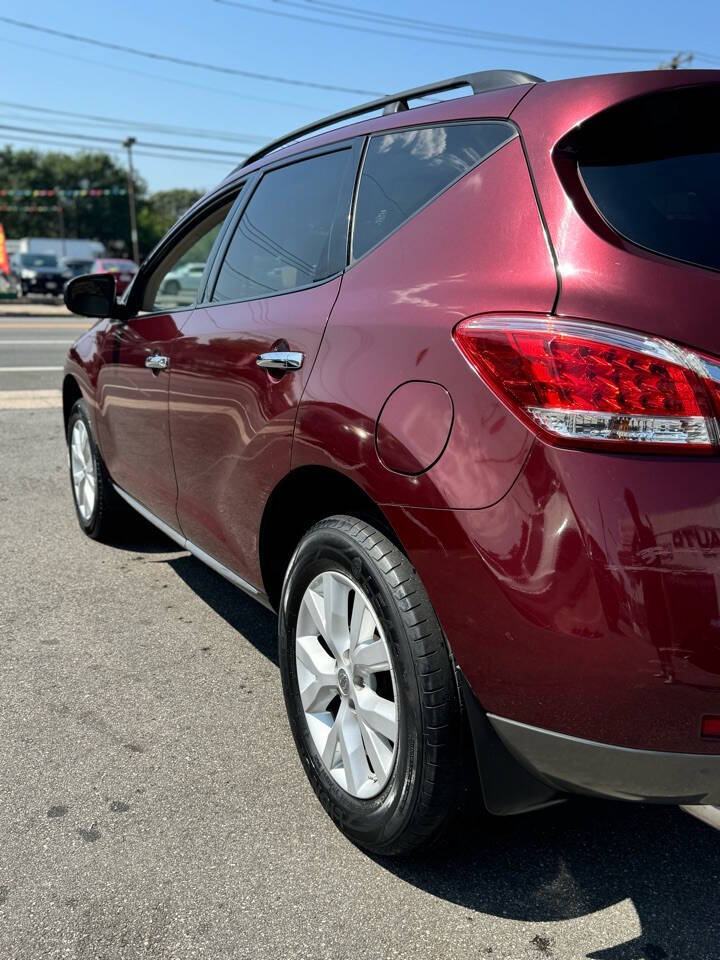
[(97, 506), (369, 688)]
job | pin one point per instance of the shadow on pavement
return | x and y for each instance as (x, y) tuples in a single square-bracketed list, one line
[(562, 863), (244, 614), (581, 857)]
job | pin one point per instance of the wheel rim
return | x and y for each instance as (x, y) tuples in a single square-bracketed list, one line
[(347, 684), (82, 467)]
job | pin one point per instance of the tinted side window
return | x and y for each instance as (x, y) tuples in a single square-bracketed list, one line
[(403, 171), (652, 167), (291, 231), (176, 279)]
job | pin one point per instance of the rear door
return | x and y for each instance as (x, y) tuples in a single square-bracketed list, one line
[(272, 291)]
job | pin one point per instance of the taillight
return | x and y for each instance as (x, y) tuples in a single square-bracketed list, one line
[(579, 384)]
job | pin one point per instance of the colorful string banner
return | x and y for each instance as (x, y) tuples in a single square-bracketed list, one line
[(25, 208), (59, 192)]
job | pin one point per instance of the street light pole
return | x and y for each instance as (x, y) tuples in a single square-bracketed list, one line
[(128, 144)]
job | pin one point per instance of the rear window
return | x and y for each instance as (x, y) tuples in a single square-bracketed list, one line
[(118, 265), (404, 171), (652, 168)]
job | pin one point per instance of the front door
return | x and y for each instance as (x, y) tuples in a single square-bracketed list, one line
[(133, 382), (133, 409), (231, 414)]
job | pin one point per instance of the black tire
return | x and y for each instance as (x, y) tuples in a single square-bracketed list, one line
[(172, 287), (427, 780), (109, 509)]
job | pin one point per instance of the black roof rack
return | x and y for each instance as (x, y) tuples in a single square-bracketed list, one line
[(480, 83)]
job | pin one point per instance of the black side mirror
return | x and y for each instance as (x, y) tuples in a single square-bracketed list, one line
[(93, 295)]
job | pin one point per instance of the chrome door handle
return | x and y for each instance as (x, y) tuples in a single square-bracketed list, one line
[(280, 360), (156, 362)]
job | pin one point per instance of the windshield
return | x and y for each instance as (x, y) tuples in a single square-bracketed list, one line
[(652, 168), (38, 260)]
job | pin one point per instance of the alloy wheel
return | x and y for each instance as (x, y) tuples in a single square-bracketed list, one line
[(82, 466), (347, 684)]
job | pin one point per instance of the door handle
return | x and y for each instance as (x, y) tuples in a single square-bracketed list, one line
[(157, 362), (280, 360)]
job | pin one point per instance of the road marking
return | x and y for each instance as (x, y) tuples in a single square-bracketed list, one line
[(704, 811), (32, 325), (29, 399), (31, 343), (27, 369)]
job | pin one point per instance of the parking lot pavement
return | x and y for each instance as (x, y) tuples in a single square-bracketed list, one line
[(152, 804)]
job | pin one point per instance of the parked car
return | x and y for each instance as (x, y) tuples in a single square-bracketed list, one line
[(448, 400), (38, 273), (185, 277), (124, 271), (74, 267)]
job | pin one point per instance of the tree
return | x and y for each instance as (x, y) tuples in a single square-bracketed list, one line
[(104, 218), (159, 212)]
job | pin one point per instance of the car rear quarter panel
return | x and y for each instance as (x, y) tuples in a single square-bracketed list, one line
[(604, 277), (586, 600), (478, 248)]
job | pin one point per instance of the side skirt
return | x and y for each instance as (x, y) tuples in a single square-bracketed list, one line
[(186, 544)]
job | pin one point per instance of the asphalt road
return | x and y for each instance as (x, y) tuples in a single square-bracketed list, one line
[(33, 349), (152, 804)]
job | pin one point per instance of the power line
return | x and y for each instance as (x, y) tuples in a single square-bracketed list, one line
[(44, 142), (344, 10), (157, 76), (142, 125), (423, 39), (230, 154), (196, 64)]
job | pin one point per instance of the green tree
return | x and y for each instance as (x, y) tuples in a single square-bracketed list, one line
[(159, 212), (105, 219)]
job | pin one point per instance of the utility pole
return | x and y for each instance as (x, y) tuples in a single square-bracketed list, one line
[(61, 219), (674, 63), (128, 144)]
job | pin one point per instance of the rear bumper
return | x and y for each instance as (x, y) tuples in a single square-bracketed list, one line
[(586, 766), (53, 285)]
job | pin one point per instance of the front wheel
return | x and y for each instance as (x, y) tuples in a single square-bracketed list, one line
[(98, 507), (369, 688)]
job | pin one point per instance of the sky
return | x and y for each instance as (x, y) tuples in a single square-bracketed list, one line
[(340, 43)]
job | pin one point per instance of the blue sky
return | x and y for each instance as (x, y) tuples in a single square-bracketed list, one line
[(42, 71)]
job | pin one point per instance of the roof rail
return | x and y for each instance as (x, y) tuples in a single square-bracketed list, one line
[(480, 83)]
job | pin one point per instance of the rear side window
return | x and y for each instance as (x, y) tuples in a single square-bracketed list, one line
[(652, 168), (292, 233), (404, 171)]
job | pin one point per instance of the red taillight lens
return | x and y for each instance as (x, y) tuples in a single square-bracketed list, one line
[(710, 726), (583, 383)]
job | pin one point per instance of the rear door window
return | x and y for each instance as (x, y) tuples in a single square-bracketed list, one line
[(403, 171), (293, 232), (652, 168)]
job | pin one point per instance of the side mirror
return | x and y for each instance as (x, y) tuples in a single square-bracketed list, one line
[(93, 295)]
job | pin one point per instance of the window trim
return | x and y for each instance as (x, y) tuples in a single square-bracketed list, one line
[(188, 222), (346, 194), (513, 131)]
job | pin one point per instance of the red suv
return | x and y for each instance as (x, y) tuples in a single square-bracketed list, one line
[(447, 397)]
